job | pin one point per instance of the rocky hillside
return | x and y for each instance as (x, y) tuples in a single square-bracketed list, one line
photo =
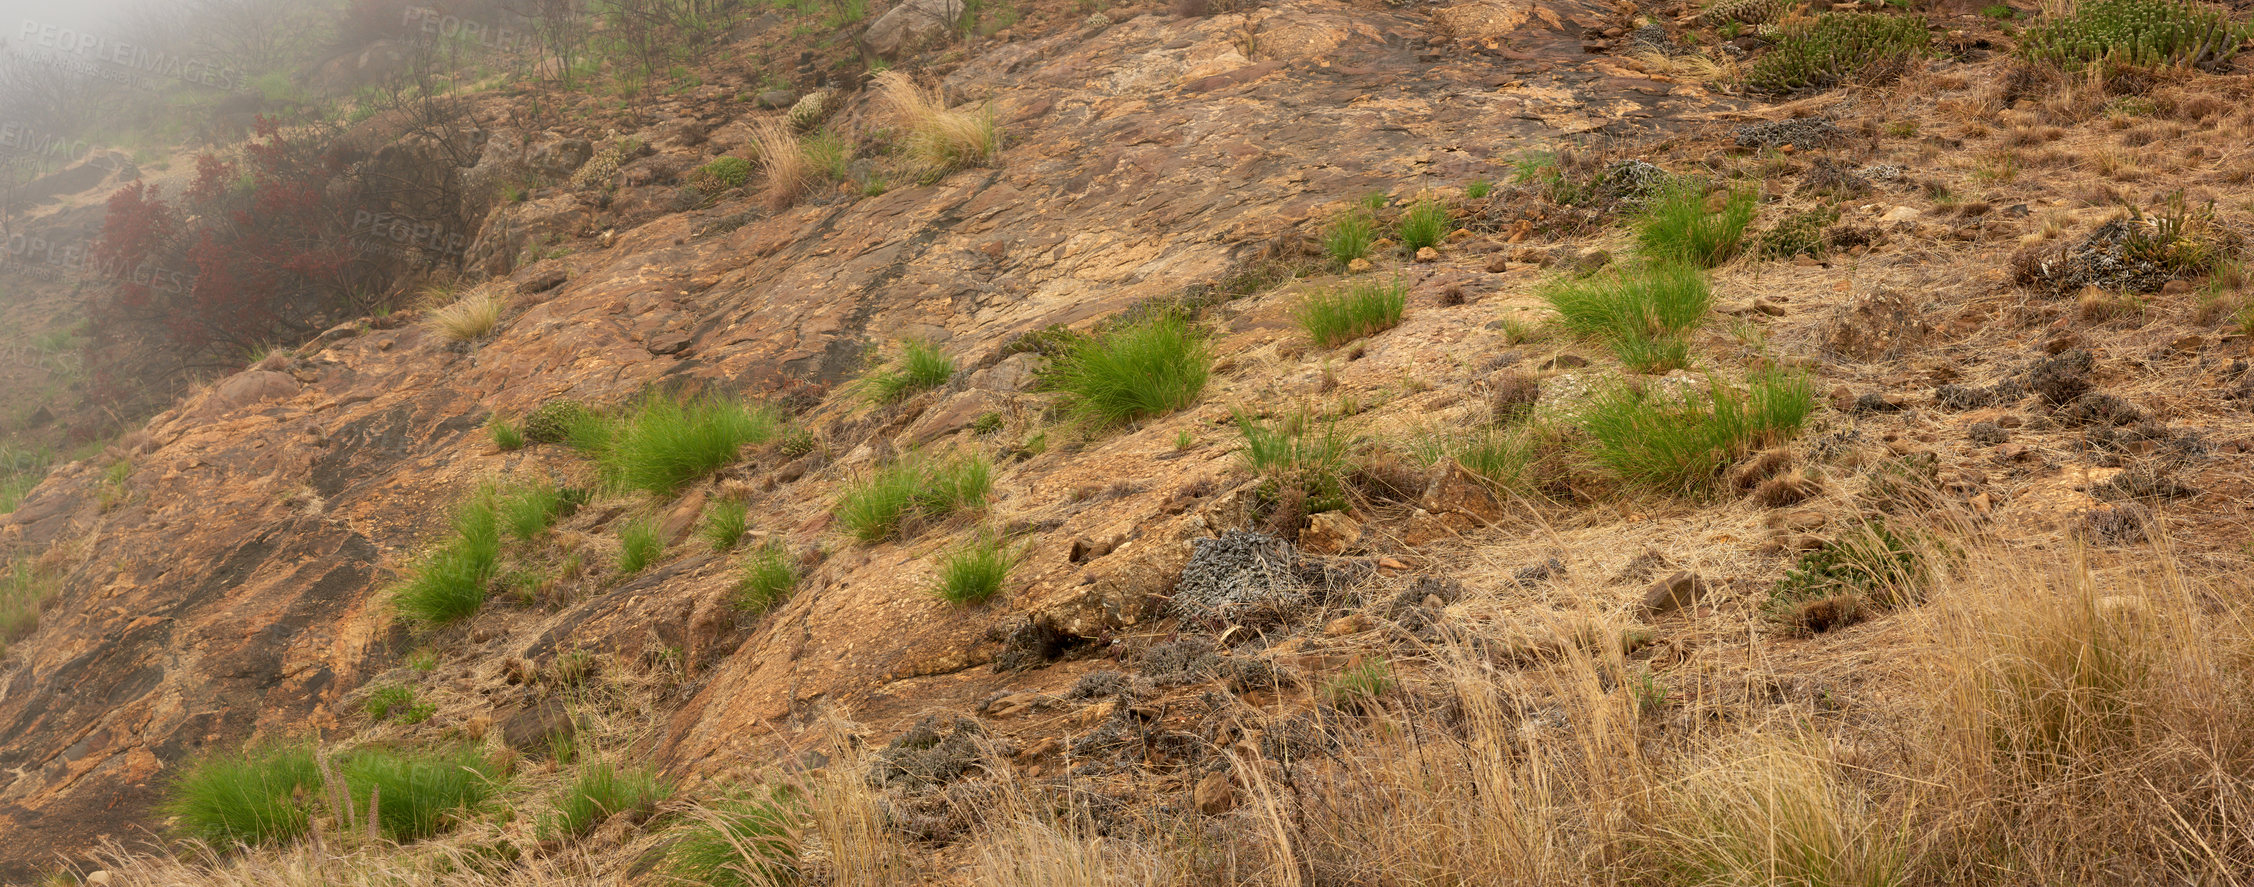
[(2011, 304)]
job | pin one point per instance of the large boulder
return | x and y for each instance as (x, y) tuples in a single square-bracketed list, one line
[(905, 26)]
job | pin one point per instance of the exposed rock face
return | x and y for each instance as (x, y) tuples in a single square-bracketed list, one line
[(235, 588)]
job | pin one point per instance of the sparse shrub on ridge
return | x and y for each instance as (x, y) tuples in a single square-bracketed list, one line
[(1148, 368), (1333, 317), (2145, 33), (1836, 47), (724, 173)]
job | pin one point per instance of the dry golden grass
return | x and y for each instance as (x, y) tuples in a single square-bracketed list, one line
[(784, 169), (472, 318), (940, 138)]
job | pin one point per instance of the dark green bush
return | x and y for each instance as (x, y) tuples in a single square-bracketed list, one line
[(1836, 47), (1800, 234), (2145, 33), (554, 421)]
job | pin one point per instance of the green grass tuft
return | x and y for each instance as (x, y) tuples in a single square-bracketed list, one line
[(1337, 316), (418, 794), (451, 582), (725, 524), (505, 435), (768, 579), (23, 591), (1479, 189), (665, 443), (921, 367), (739, 844), (601, 792), (386, 699), (1349, 236), (1677, 226), (901, 498), (640, 544), (251, 796), (1680, 445), (1645, 313), (974, 572), (1425, 223), (528, 511), (1149, 368)]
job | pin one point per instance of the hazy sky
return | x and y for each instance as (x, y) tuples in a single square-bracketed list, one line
[(89, 14)]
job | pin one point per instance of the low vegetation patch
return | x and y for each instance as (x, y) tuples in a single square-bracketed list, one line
[(252, 796), (975, 571), (1334, 317), (1680, 444), (271, 794), (24, 589), (1305, 466), (417, 794), (921, 367), (1349, 236), (1425, 223), (2143, 33), (665, 442), (1644, 313), (468, 320), (739, 844), (901, 498), (769, 576), (1147, 368), (1681, 223), (600, 792), (506, 435), (942, 139), (641, 542), (725, 524), (1870, 568), (451, 582), (1836, 47)]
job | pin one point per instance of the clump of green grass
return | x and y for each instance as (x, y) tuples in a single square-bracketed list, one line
[(1349, 236), (451, 582), (418, 794), (975, 571), (665, 443), (1645, 313), (1677, 226), (527, 511), (386, 699), (739, 844), (1361, 683), (2143, 33), (250, 796), (1835, 47), (1478, 189), (725, 524), (725, 172), (640, 544), (1680, 446), (1333, 317), (1297, 459), (1148, 368), (24, 589), (506, 435), (768, 578), (1873, 565), (601, 792), (1525, 457), (921, 367), (1423, 224), (902, 497)]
